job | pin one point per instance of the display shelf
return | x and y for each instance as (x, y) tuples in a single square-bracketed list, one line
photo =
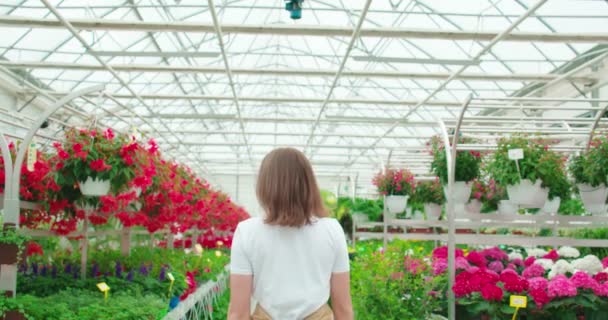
[(509, 221)]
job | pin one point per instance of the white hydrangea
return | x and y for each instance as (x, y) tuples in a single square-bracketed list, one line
[(536, 253), (590, 264), (560, 267), (545, 263), (515, 255), (568, 252)]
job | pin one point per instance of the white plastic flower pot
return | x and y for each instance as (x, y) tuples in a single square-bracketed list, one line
[(594, 198), (527, 194), (395, 204), (473, 207), (507, 207), (462, 192), (432, 210), (94, 187), (552, 206)]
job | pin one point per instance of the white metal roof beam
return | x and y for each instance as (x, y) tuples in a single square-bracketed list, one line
[(302, 30), (228, 71), (291, 72), (349, 48)]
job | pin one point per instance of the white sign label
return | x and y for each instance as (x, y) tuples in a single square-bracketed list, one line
[(32, 156), (516, 154)]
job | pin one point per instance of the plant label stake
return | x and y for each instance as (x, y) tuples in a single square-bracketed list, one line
[(518, 302), (172, 279), (32, 155), (516, 155), (103, 287)]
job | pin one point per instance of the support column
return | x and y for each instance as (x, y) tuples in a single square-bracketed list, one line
[(125, 242)]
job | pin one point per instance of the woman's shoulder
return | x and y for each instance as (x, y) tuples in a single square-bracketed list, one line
[(253, 222)]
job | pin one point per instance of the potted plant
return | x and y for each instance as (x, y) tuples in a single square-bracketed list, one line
[(530, 181), (430, 194), (396, 186), (12, 245), (467, 169), (590, 173), (97, 162)]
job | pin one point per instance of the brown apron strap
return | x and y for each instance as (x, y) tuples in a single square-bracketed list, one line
[(323, 313)]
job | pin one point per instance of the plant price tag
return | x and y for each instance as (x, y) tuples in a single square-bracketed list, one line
[(516, 154), (103, 287), (518, 301), (32, 155)]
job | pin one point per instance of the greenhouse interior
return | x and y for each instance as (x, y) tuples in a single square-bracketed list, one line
[(459, 145)]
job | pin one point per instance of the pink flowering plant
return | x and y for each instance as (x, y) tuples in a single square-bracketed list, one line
[(557, 287), (391, 285), (395, 182), (429, 192)]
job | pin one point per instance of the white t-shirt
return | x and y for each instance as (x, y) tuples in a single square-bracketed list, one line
[(291, 267)]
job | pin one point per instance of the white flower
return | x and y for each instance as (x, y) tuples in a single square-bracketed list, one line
[(560, 267), (536, 253), (515, 255), (545, 263), (409, 252), (590, 264), (179, 236), (568, 252)]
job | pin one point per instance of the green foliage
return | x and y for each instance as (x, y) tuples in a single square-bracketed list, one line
[(538, 163), (467, 162), (592, 166), (73, 304), (429, 192), (572, 207), (370, 207), (382, 288)]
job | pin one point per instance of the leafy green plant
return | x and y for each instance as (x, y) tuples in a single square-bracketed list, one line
[(467, 162), (390, 286), (538, 163), (429, 192), (591, 167)]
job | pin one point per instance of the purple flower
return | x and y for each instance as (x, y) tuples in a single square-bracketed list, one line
[(43, 271), (162, 274), (75, 274), (118, 269), (68, 268), (54, 271), (143, 270), (130, 275), (95, 270), (34, 268)]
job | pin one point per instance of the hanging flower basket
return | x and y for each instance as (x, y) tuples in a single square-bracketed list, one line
[(395, 204), (94, 187), (594, 198), (473, 207), (552, 206), (432, 210), (462, 192), (528, 194)]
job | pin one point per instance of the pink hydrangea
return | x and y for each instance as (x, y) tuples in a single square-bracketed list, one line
[(511, 266), (553, 255), (582, 280), (540, 297), (538, 283), (561, 286), (442, 253), (462, 263), (494, 253), (518, 262), (461, 284), (496, 266), (491, 292), (482, 277), (529, 261), (439, 266), (476, 258), (535, 270), (601, 277), (601, 290), (605, 262)]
